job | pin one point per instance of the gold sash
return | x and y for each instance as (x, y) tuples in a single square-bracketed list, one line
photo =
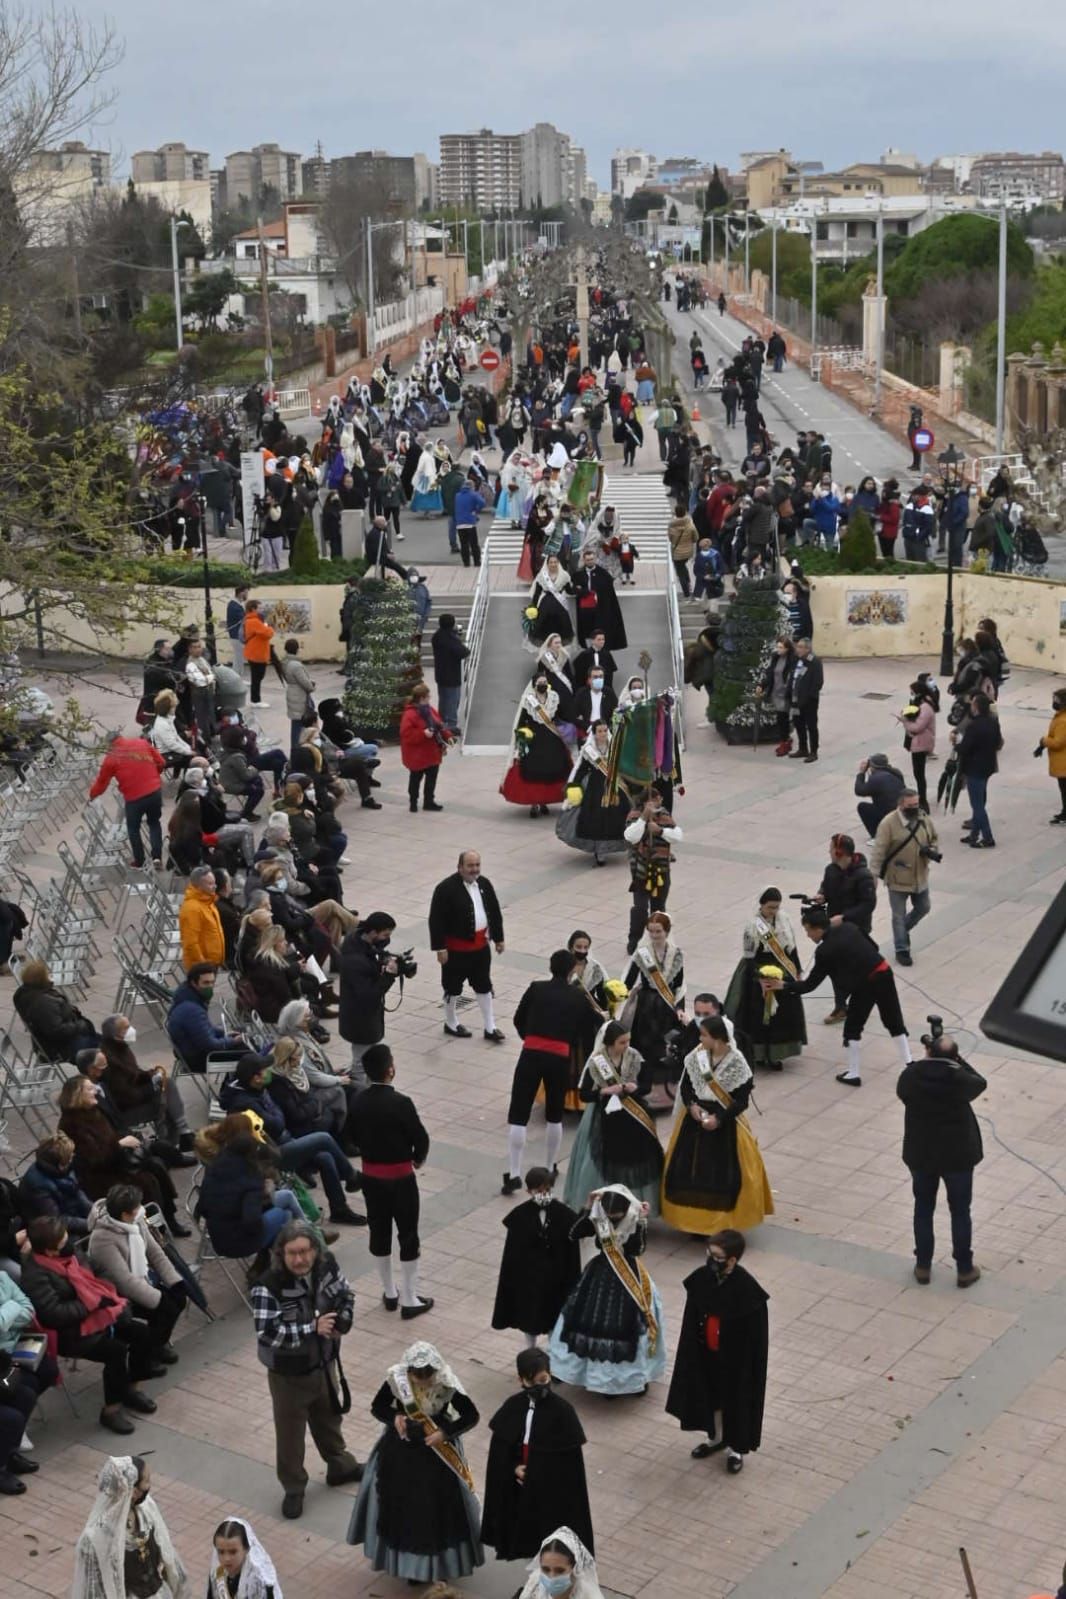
[(548, 723), (635, 1109), (770, 940), (662, 987), (605, 798), (445, 1450), (637, 1284)]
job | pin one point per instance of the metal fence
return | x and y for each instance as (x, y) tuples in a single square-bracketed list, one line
[(912, 359)]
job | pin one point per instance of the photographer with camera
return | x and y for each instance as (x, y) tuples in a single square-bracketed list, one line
[(367, 972), (853, 963), (904, 844), (941, 1143), (848, 891), (878, 787)]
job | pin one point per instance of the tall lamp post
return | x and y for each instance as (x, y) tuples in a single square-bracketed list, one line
[(175, 224), (950, 464)]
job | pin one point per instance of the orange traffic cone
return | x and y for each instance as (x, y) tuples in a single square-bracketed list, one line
[(696, 412), (318, 404)]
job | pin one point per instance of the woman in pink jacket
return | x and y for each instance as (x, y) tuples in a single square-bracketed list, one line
[(919, 736)]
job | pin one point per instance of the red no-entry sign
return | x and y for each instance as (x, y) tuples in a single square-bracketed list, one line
[(922, 439), (489, 360)]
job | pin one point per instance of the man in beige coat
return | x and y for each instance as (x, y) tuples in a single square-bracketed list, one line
[(904, 844), (123, 1249), (682, 536)]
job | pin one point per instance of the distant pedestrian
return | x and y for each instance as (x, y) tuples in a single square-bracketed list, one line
[(806, 692), (449, 653), (942, 1143), (878, 787), (904, 844), (235, 625), (978, 752), (1054, 742), (136, 768)]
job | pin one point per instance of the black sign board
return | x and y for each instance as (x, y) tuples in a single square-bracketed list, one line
[(1030, 1007)]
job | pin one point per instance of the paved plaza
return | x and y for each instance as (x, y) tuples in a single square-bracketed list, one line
[(901, 1421)]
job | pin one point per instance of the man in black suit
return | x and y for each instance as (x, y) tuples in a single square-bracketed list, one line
[(596, 653), (594, 701), (386, 1130), (465, 922), (597, 602)]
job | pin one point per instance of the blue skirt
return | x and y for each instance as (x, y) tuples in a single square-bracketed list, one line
[(427, 502), (446, 1563), (610, 1376)]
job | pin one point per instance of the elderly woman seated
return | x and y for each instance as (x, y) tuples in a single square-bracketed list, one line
[(125, 1251), (57, 1027), (164, 732)]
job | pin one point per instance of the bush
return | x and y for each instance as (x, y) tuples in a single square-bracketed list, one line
[(227, 574), (754, 618), (305, 560), (858, 552), (826, 563)]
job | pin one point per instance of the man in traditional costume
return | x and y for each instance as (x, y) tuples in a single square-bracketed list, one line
[(541, 1262), (651, 833), (719, 1379), (549, 1020), (464, 921), (598, 610), (535, 1471)]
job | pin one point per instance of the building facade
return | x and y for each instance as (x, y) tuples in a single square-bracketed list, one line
[(172, 163), (482, 169), (264, 166)]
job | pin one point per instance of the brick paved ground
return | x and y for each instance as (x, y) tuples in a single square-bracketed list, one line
[(901, 1422)]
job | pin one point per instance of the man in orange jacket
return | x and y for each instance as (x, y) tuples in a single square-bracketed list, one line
[(135, 765), (257, 637), (199, 923)]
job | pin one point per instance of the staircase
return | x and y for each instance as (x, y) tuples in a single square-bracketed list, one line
[(642, 509), (460, 606)]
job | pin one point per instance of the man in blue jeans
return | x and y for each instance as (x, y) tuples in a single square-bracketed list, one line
[(978, 753), (136, 767), (942, 1143), (469, 505), (904, 844)]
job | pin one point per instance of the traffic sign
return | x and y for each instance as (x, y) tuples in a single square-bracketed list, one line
[(489, 359), (922, 439)]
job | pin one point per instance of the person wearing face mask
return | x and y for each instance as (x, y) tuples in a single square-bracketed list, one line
[(152, 1095), (189, 1025), (535, 1471), (903, 846), (594, 701), (598, 610), (564, 1569), (634, 693), (125, 1550), (540, 757), (540, 1262), (125, 1251), (417, 1515), (719, 1381), (591, 825)]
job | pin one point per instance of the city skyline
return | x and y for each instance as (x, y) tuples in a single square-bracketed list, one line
[(674, 90)]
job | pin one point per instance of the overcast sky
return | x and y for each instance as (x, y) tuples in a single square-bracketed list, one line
[(828, 82)]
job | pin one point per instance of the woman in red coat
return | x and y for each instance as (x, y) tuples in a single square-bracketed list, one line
[(423, 741)]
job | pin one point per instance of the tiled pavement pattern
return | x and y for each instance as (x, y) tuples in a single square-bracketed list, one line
[(901, 1421)]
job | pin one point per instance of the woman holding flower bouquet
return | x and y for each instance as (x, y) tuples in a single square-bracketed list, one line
[(540, 760), (770, 1024), (714, 1176), (616, 1141)]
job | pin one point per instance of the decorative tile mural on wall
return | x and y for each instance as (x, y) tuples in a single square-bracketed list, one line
[(286, 616), (876, 607)]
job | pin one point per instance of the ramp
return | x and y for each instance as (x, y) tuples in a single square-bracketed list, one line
[(643, 509), (505, 664)]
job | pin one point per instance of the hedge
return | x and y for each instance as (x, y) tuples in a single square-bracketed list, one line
[(227, 574), (826, 563)]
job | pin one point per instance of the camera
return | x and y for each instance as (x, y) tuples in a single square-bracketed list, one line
[(930, 854), (805, 899), (935, 1033), (674, 1053), (406, 966)]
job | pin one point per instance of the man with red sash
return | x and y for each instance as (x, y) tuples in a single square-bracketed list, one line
[(386, 1129), (860, 975), (549, 1020), (464, 921)]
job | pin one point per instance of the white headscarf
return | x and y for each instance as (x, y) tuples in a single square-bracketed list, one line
[(622, 1230), (625, 699), (586, 1579), (432, 1396), (533, 704), (257, 1573), (730, 1073), (554, 583), (100, 1553)]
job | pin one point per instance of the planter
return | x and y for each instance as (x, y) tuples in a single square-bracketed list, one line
[(745, 735)]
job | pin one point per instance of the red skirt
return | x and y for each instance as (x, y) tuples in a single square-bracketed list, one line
[(520, 790)]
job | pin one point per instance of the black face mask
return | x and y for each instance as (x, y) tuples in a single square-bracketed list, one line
[(911, 812)]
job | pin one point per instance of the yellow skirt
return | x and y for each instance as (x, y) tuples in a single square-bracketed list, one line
[(754, 1202)]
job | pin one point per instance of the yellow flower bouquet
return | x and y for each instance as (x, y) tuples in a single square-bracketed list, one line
[(769, 974)]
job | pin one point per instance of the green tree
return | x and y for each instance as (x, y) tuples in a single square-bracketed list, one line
[(640, 203), (1044, 318), (964, 242), (858, 551), (206, 296), (383, 659), (753, 621), (305, 559), (717, 194)]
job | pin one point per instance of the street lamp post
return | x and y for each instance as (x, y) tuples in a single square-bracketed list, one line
[(814, 292), (1001, 329), (747, 252), (175, 224), (880, 357), (773, 272), (209, 615), (950, 463)]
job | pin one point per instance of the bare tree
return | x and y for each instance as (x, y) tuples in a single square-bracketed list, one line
[(350, 203)]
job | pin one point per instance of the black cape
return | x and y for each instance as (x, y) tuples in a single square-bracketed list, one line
[(539, 1267), (732, 1379), (607, 612), (517, 1518)]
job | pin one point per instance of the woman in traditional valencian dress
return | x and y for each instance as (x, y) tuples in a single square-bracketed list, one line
[(590, 825), (714, 1176), (656, 983), (540, 758), (609, 1337), (769, 1024), (616, 1141), (549, 597), (417, 1515)]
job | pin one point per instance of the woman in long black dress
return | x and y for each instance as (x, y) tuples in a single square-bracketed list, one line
[(592, 826), (552, 659), (617, 1141), (417, 1516), (714, 1175), (769, 1023), (549, 597), (588, 975), (609, 1337), (540, 759), (656, 983)]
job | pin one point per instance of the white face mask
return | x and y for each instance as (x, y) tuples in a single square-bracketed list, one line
[(281, 883), (636, 693), (131, 1035)]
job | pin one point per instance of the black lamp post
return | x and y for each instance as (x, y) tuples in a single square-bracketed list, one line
[(950, 464), (209, 616)]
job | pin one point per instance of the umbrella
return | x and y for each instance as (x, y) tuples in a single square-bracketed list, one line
[(947, 790)]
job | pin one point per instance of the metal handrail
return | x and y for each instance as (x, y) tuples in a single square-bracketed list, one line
[(677, 655), (474, 634)]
